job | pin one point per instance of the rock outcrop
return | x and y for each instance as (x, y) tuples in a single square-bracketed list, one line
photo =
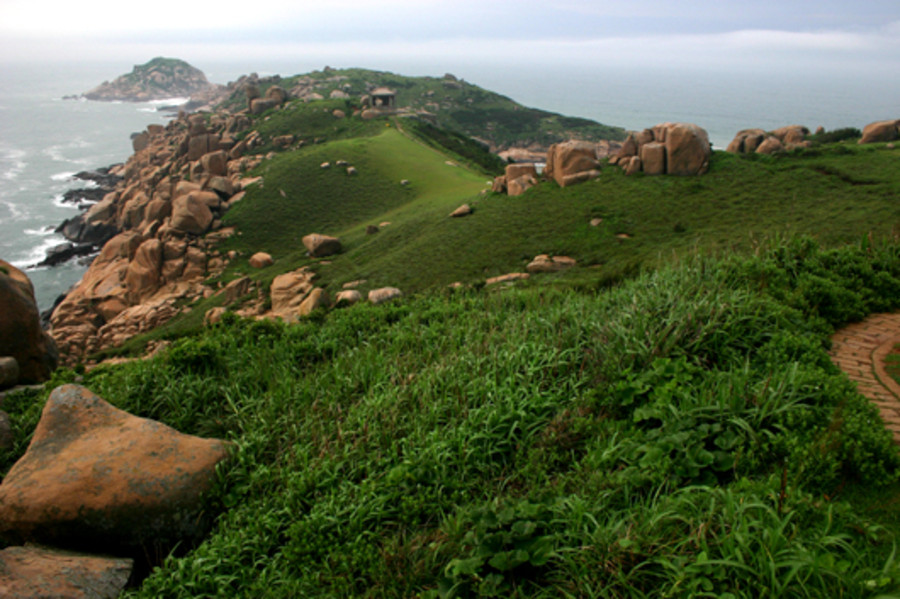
[(320, 246), (544, 263), (165, 218), (880, 131), (681, 149), (96, 476), (572, 162), (159, 79), (749, 141), (21, 336), (384, 294), (29, 572)]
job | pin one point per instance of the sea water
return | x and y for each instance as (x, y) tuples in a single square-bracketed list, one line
[(44, 139)]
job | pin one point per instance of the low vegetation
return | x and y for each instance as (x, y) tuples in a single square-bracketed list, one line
[(682, 434)]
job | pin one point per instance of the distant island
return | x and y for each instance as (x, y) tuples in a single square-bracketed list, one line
[(159, 79)]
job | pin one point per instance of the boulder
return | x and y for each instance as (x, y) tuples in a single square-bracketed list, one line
[(771, 145), (215, 163), (746, 141), (880, 131), (289, 290), (498, 185), (31, 571), (507, 278), (633, 165), (687, 149), (571, 158), (96, 476), (320, 246), (198, 145), (140, 141), (463, 210), (514, 171), (9, 372), (190, 215), (214, 315), (261, 260), (791, 135), (519, 185), (653, 158), (544, 263), (142, 278), (317, 298), (260, 105), (21, 336), (347, 297), (384, 294)]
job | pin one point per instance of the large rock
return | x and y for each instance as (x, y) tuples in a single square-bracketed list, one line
[(9, 372), (320, 246), (261, 260), (288, 290), (572, 162), (653, 158), (143, 275), (96, 476), (30, 572), (190, 214), (746, 141), (687, 149), (384, 294), (21, 336), (544, 263), (880, 131), (770, 145)]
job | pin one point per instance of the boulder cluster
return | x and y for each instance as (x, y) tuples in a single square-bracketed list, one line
[(165, 219), (750, 141), (667, 149), (881, 131)]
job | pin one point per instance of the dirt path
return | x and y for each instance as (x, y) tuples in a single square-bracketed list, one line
[(859, 350)]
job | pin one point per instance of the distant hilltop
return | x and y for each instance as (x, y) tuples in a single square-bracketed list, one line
[(159, 79)]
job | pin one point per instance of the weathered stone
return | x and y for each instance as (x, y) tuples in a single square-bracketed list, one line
[(570, 158), (316, 298), (261, 260), (499, 184), (95, 475), (260, 105), (513, 171), (30, 572), (190, 215), (687, 149), (653, 158), (463, 210), (320, 246), (214, 315), (9, 372), (880, 131), (521, 184), (633, 165), (507, 278), (140, 141), (771, 145), (544, 263), (236, 289), (214, 163), (347, 297), (384, 294), (746, 141), (791, 135), (21, 336), (143, 275), (289, 290)]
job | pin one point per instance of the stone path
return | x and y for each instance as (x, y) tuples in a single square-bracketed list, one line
[(859, 350)]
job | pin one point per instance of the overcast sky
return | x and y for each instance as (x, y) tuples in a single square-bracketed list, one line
[(864, 34)]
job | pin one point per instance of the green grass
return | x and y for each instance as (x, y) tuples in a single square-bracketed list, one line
[(892, 363), (682, 434)]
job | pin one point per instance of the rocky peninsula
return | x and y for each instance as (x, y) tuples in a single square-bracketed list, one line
[(158, 79)]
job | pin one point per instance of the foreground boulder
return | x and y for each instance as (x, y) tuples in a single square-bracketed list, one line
[(96, 476), (28, 572), (880, 131), (21, 336)]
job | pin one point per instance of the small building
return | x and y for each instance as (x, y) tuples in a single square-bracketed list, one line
[(383, 97)]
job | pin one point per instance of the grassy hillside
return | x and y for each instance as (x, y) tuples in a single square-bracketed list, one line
[(681, 435), (455, 104)]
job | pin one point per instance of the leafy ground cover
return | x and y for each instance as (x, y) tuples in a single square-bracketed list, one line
[(682, 434), (892, 363)]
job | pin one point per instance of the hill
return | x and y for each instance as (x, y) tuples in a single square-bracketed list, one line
[(450, 103), (159, 79)]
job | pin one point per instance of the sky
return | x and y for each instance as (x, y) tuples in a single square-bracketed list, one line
[(433, 36)]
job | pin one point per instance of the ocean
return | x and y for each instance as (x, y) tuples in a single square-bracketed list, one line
[(44, 140)]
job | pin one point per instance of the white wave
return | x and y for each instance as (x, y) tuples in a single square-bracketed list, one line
[(16, 213), (39, 232), (38, 252), (168, 101), (63, 176), (58, 201), (16, 163)]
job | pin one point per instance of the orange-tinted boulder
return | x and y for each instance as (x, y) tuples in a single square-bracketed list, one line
[(687, 149), (320, 246), (568, 162), (880, 131), (29, 572), (95, 475), (21, 336)]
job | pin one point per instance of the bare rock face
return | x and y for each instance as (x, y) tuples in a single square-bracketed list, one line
[(384, 294), (572, 162), (746, 141), (28, 572), (880, 131), (320, 246), (95, 475), (668, 148), (21, 336), (289, 290), (519, 178), (749, 141), (317, 298), (190, 214), (142, 277)]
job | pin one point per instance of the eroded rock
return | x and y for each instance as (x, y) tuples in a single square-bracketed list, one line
[(30, 572)]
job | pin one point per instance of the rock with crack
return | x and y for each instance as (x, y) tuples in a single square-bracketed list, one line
[(30, 571)]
